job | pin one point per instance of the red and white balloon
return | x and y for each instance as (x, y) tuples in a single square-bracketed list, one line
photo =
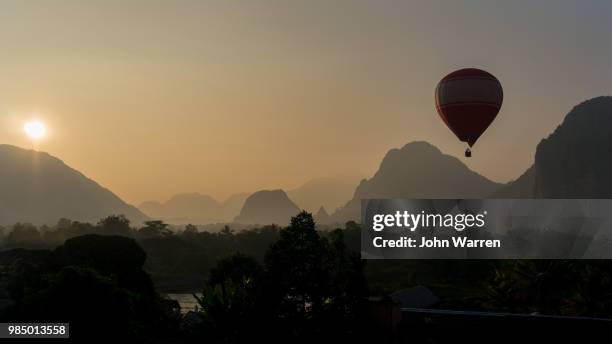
[(468, 100)]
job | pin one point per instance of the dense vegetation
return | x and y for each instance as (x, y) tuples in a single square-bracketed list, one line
[(293, 282)]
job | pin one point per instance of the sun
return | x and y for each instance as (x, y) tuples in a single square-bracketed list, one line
[(35, 130)]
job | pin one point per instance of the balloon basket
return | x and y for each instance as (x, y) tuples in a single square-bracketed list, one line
[(468, 153)]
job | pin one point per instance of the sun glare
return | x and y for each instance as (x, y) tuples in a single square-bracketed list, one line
[(35, 129)]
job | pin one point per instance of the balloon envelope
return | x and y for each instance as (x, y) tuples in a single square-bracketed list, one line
[(468, 100)]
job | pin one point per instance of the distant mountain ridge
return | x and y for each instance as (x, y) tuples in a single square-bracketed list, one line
[(572, 162), (522, 187), (38, 188), (328, 192), (267, 207), (417, 170), (195, 208)]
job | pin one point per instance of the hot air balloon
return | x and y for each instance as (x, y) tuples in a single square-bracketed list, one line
[(468, 100)]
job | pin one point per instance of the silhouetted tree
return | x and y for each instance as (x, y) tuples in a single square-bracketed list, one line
[(89, 281), (237, 268), (295, 264), (190, 231), (113, 256), (347, 286), (115, 225), (83, 298), (154, 229), (231, 304)]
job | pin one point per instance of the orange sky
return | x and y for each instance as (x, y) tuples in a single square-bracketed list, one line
[(154, 98)]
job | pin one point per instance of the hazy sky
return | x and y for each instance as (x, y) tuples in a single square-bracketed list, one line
[(152, 98)]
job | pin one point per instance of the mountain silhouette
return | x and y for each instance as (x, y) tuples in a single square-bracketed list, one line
[(572, 162), (522, 187), (194, 208), (417, 170), (267, 207), (328, 192), (38, 188), (322, 216), (232, 205)]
